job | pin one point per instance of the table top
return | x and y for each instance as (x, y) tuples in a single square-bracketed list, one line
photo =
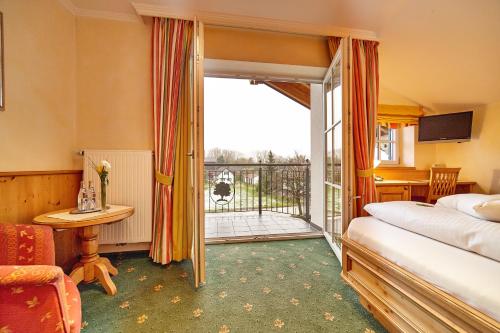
[(105, 218), (422, 182)]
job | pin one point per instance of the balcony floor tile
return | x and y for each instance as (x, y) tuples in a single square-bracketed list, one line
[(234, 224)]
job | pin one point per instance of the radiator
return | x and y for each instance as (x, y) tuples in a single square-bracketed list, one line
[(130, 184)]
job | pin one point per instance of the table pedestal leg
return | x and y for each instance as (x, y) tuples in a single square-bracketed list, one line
[(91, 266)]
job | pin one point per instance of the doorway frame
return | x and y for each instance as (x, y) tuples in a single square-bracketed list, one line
[(229, 69)]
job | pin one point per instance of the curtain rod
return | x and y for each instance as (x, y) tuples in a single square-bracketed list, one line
[(249, 22)]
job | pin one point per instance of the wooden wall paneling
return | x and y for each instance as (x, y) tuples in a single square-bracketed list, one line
[(24, 195)]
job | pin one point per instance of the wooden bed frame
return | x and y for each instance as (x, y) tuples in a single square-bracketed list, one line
[(401, 301)]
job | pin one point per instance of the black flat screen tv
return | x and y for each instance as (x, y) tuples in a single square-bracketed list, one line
[(451, 127)]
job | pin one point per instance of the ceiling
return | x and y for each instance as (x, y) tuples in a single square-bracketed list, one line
[(442, 54)]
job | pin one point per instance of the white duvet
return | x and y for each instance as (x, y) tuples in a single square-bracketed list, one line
[(443, 224)]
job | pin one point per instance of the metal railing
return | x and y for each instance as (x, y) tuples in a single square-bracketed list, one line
[(276, 187)]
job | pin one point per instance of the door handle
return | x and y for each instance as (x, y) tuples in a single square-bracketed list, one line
[(191, 154)]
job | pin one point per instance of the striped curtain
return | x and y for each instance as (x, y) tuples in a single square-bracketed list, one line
[(171, 49), (183, 212), (365, 91), (333, 45)]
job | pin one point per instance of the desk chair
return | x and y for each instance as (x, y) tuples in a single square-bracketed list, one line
[(442, 183)]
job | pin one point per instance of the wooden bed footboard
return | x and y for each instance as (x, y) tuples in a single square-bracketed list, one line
[(402, 302)]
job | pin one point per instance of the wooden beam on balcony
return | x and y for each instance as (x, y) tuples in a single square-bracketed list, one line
[(296, 91)]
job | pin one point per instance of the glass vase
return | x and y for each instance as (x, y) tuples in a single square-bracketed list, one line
[(104, 206)]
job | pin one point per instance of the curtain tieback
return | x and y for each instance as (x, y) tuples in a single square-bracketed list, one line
[(164, 179), (365, 173)]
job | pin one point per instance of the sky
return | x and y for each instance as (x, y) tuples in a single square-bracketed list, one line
[(249, 118)]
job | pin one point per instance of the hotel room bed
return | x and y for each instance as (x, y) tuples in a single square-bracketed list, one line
[(414, 283)]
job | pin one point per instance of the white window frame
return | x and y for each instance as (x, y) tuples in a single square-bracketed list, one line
[(396, 142)]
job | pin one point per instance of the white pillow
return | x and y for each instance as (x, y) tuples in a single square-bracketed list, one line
[(466, 202), (489, 210)]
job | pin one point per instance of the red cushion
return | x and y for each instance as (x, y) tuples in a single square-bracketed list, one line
[(74, 305), (25, 244), (32, 307)]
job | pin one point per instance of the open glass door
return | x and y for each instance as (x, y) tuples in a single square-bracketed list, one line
[(335, 118), (197, 165)]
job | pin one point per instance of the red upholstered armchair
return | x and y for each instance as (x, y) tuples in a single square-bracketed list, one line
[(35, 295)]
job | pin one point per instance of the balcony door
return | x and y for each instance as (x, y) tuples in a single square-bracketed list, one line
[(197, 161), (335, 139)]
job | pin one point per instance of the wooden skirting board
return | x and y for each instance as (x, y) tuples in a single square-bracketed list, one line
[(402, 302), (26, 194)]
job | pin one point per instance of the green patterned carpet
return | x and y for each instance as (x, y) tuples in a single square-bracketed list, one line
[(281, 286)]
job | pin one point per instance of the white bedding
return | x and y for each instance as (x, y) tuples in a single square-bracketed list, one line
[(443, 224), (470, 277)]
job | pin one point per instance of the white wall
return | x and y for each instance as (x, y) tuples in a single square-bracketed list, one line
[(480, 157), (317, 188)]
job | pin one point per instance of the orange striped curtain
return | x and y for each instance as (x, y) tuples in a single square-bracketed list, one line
[(365, 91), (183, 212), (171, 49), (333, 45)]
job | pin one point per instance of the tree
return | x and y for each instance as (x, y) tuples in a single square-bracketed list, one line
[(223, 190), (296, 183), (270, 157), (223, 155), (270, 175)]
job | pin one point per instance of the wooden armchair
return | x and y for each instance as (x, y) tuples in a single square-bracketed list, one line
[(443, 182), (35, 295)]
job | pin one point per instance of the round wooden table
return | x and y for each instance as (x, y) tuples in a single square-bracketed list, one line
[(91, 266)]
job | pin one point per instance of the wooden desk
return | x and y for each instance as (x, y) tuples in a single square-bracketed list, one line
[(91, 267), (416, 190)]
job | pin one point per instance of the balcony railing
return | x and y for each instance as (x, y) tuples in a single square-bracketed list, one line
[(282, 188)]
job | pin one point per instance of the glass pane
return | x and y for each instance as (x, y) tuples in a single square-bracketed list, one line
[(392, 134), (385, 133), (337, 154), (329, 156), (387, 151), (337, 217), (329, 209), (337, 93), (328, 100), (377, 157)]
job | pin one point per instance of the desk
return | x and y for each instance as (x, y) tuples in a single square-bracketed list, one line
[(416, 190), (91, 265)]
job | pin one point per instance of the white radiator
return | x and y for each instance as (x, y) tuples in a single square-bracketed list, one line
[(130, 184)]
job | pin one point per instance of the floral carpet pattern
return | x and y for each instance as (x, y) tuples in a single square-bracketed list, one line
[(280, 286)]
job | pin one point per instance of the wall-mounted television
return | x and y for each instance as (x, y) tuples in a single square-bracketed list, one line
[(451, 127)]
